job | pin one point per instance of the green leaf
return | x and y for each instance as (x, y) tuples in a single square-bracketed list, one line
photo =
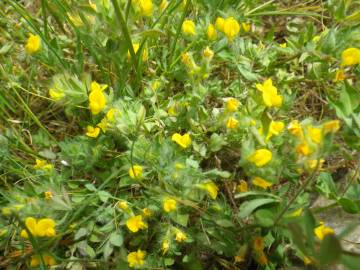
[(330, 250), (216, 142), (351, 262), (224, 223), (104, 195), (255, 193), (116, 239), (216, 172), (326, 185), (349, 206), (248, 207), (248, 75), (264, 217), (180, 219)]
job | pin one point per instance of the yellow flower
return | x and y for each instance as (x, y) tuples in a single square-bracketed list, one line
[(110, 115), (315, 134), (55, 94), (103, 124), (275, 128), (269, 94), (169, 205), (303, 149), (295, 129), (48, 195), (186, 59), (48, 260), (136, 47), (92, 5), (41, 228), (92, 132), (260, 182), (331, 126), (136, 223), (123, 205), (135, 172), (350, 56), (313, 163), (260, 157), (97, 101), (145, 7), (262, 259), (33, 44), (165, 246), (211, 188), (42, 165), (243, 186), (307, 260), (283, 45), (183, 140), (188, 28), (232, 104), (163, 5), (232, 123), (180, 236), (146, 212), (339, 75), (94, 86), (246, 26), (211, 32), (258, 244), (136, 258), (208, 53), (321, 231), (231, 28), (219, 24)]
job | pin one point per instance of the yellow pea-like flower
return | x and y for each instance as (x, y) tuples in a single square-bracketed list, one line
[(211, 32), (208, 53), (261, 182), (246, 27), (33, 44), (303, 149), (180, 236), (136, 258), (315, 134), (269, 94), (231, 28), (295, 129), (219, 24), (275, 128), (92, 132), (183, 140), (135, 172), (321, 231), (350, 56), (260, 157), (44, 227), (331, 126), (188, 27), (169, 205), (232, 123), (97, 101), (145, 53), (211, 188), (144, 7), (232, 104), (136, 223), (42, 165)]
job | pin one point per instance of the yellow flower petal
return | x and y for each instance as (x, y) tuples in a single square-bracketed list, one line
[(260, 157), (183, 140), (169, 205), (262, 183)]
